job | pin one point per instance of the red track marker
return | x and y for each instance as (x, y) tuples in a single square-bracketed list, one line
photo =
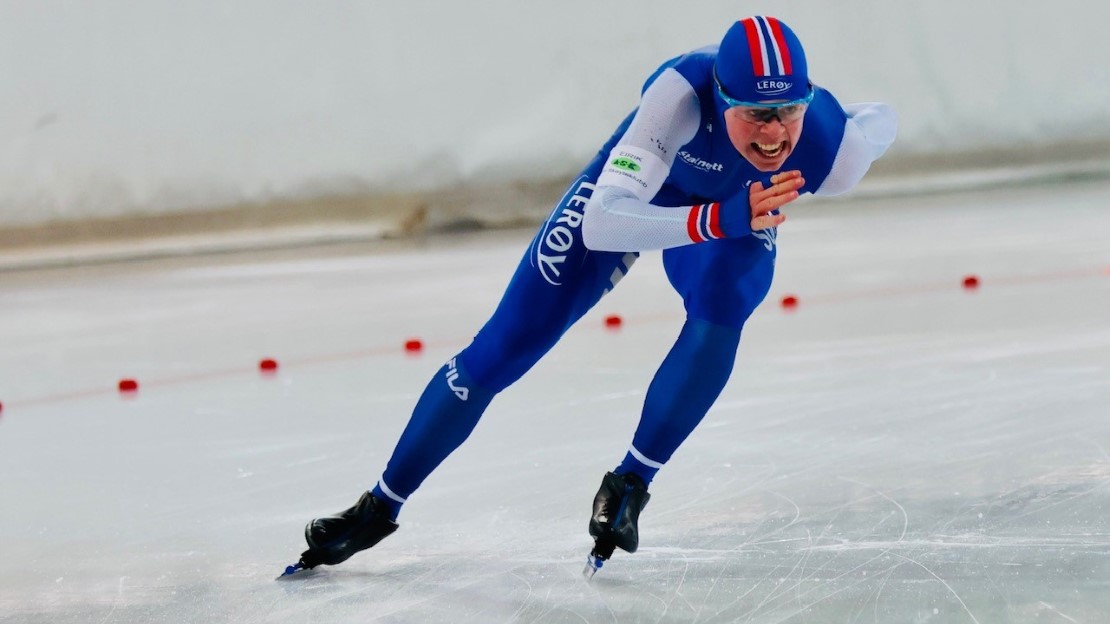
[(128, 385), (268, 365), (971, 282), (414, 345), (613, 321), (789, 302)]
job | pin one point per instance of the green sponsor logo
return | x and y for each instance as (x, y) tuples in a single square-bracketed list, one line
[(626, 164)]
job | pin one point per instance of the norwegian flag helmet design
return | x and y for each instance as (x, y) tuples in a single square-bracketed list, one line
[(760, 59)]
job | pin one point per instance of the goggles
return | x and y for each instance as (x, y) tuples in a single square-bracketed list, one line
[(758, 112)]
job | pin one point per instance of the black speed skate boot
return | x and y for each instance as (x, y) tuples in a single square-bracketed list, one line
[(334, 539), (614, 523)]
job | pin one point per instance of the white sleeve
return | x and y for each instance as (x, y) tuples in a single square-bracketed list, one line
[(623, 222), (619, 216), (868, 132)]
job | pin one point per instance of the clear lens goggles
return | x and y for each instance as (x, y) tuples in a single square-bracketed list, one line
[(758, 112)]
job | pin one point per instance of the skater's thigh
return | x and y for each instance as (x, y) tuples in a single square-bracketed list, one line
[(722, 281), (557, 281)]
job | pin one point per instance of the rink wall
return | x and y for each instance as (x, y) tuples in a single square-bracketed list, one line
[(132, 117)]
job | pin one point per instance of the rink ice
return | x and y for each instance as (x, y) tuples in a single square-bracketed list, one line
[(897, 449)]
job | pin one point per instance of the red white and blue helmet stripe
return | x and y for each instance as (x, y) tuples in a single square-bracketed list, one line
[(770, 54), (761, 58), (704, 223)]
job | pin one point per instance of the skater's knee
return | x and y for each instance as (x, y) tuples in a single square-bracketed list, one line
[(497, 359), (708, 340)]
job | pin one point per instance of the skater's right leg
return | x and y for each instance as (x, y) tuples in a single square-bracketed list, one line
[(546, 295), (448, 410), (557, 281)]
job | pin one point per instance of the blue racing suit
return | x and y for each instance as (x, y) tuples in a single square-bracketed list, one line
[(721, 279)]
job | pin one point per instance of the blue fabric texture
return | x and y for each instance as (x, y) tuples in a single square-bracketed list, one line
[(443, 419), (684, 388), (558, 280)]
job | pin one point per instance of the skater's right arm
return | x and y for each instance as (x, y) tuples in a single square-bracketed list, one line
[(620, 216)]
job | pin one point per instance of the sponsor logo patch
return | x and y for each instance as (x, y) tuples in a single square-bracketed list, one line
[(694, 161), (773, 87), (555, 242), (452, 376), (626, 164)]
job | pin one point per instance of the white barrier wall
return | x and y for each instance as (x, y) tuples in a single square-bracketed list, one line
[(120, 107)]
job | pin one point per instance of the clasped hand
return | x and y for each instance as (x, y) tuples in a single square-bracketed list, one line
[(759, 213)]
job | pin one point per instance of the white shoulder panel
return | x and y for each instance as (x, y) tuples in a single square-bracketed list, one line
[(667, 119), (868, 132)]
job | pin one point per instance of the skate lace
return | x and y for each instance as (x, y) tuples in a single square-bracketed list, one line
[(622, 505)]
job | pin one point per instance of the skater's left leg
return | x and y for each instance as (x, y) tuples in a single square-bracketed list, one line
[(685, 386), (721, 282), (687, 383)]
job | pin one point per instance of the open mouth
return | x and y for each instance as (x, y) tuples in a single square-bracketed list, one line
[(771, 150)]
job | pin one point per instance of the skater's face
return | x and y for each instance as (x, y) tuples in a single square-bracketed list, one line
[(765, 143)]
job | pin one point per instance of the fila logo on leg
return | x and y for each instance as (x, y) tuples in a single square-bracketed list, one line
[(452, 376)]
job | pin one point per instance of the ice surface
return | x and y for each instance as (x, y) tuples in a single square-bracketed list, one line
[(897, 449)]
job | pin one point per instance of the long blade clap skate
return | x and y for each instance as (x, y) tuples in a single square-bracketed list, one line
[(291, 570), (334, 539), (614, 523), (603, 549), (307, 561)]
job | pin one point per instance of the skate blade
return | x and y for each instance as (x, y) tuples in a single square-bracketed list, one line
[(294, 571), (593, 564)]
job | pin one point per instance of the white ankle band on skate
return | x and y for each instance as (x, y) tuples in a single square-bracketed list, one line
[(643, 459), (390, 493)]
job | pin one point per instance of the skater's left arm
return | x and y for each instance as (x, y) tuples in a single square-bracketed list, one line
[(868, 132)]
